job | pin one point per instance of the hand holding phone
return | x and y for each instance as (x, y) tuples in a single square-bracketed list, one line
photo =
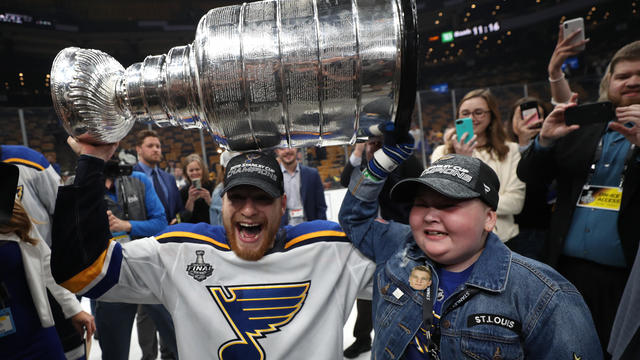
[(464, 126), (571, 26), (601, 112)]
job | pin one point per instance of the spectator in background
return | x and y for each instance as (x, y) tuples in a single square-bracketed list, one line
[(215, 209), (304, 190), (180, 179), (149, 157), (592, 246), (26, 319), (387, 210), (489, 144), (533, 221), (196, 196)]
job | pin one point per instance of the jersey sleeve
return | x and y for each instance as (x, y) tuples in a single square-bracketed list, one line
[(84, 258)]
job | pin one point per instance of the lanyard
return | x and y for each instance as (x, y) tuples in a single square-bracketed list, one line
[(427, 315), (460, 299), (598, 154), (427, 307)]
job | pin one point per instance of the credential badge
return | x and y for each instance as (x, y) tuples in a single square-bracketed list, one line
[(200, 270)]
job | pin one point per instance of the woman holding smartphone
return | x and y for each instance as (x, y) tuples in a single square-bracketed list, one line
[(489, 144), (196, 195)]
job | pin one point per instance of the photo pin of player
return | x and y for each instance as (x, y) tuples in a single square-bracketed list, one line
[(420, 278)]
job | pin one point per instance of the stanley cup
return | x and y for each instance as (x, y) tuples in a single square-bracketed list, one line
[(258, 75)]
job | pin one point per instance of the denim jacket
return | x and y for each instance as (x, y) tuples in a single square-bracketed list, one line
[(523, 309)]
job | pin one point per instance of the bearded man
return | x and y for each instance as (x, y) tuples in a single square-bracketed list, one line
[(249, 289), (594, 246)]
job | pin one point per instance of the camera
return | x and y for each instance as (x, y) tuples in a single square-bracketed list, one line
[(113, 169)]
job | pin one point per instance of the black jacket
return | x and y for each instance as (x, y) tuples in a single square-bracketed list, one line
[(568, 162)]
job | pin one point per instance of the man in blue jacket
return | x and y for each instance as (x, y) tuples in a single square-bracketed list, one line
[(483, 301), (303, 186)]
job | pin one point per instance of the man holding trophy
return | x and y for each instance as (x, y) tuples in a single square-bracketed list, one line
[(283, 73)]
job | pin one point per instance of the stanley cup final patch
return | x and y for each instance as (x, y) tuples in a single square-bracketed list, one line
[(496, 320), (200, 270)]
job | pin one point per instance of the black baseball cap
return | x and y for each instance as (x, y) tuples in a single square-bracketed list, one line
[(454, 176), (257, 169)]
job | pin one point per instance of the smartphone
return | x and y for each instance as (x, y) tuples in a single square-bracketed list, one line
[(601, 112), (464, 125), (196, 183), (530, 108), (570, 26)]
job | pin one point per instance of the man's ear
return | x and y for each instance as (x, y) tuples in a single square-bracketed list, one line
[(490, 221)]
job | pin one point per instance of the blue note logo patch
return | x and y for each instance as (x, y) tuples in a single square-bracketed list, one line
[(200, 270), (253, 311)]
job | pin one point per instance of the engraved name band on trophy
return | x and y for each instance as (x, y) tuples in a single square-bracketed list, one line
[(258, 75)]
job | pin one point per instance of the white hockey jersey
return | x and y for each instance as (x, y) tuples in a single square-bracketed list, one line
[(291, 304), (37, 186)]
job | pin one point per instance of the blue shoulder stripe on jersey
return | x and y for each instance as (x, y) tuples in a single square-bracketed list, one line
[(111, 277), (22, 155), (312, 232), (201, 233)]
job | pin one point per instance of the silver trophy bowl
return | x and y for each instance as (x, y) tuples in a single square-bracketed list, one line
[(258, 75)]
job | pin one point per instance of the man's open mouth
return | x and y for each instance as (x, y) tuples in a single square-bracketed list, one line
[(249, 232)]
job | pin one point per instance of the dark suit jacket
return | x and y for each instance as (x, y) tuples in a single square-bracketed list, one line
[(174, 201), (568, 162), (311, 194), (389, 210)]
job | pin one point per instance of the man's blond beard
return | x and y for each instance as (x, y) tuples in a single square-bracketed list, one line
[(250, 254)]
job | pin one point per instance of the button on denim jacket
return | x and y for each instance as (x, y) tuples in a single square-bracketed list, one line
[(524, 309)]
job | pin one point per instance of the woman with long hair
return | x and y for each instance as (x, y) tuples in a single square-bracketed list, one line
[(489, 144), (27, 330), (196, 195)]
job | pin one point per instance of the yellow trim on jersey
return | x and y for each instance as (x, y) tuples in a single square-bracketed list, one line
[(23, 161), (193, 236), (86, 276), (313, 235)]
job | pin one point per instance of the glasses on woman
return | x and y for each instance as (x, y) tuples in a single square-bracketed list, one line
[(477, 113)]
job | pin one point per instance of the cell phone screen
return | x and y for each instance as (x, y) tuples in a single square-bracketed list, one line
[(528, 112)]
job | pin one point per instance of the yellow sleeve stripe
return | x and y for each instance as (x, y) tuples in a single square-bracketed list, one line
[(193, 236), (26, 162), (86, 276), (313, 235)]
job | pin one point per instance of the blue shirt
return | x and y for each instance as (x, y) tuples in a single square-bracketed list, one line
[(593, 234)]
